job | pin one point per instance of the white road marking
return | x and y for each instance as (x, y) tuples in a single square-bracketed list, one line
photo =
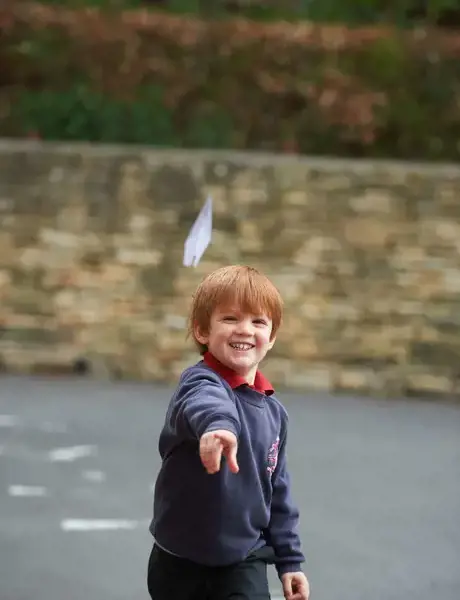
[(98, 524), (94, 476), (9, 421), (71, 454), (27, 491)]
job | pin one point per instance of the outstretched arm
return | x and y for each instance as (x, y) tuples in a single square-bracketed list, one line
[(202, 404)]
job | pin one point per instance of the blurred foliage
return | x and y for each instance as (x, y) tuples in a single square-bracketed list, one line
[(399, 12), (173, 81)]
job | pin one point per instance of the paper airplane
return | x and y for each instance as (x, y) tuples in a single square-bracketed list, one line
[(199, 237)]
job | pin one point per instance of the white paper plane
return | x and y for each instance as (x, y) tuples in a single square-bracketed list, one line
[(199, 237)]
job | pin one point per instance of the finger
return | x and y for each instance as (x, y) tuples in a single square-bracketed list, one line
[(208, 443), (301, 591), (297, 594), (210, 462), (230, 455), (211, 465), (211, 454), (287, 588), (304, 591)]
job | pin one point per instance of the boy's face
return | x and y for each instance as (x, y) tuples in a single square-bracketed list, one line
[(238, 340)]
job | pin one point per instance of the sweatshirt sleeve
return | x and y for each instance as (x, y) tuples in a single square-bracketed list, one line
[(282, 529), (203, 404)]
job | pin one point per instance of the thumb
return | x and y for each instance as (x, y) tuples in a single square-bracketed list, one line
[(287, 586)]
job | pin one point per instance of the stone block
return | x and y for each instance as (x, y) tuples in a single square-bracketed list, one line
[(30, 335), (429, 383), (356, 379), (437, 354), (367, 233), (8, 250), (313, 377), (374, 201)]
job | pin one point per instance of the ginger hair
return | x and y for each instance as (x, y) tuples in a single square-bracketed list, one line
[(242, 286)]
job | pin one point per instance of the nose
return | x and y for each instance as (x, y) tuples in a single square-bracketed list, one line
[(244, 327)]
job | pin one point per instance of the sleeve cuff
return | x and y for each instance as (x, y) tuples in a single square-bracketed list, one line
[(225, 424), (288, 568)]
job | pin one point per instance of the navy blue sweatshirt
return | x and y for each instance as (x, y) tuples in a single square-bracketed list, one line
[(219, 519)]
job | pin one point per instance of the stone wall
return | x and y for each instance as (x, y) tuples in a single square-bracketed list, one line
[(366, 254)]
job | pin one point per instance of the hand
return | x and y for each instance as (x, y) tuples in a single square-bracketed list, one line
[(213, 445), (295, 586)]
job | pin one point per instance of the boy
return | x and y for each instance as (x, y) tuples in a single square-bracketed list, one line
[(218, 523)]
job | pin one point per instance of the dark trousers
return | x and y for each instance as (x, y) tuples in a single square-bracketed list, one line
[(173, 578)]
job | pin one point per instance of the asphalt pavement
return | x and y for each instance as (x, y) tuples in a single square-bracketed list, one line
[(377, 482)]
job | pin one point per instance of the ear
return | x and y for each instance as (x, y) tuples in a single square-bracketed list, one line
[(272, 343), (200, 336)]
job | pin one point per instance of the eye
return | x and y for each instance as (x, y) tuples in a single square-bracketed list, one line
[(229, 318), (260, 321)]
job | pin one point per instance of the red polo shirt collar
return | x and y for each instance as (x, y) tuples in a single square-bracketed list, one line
[(261, 383)]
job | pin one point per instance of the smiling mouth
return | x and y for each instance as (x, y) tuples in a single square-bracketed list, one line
[(241, 346)]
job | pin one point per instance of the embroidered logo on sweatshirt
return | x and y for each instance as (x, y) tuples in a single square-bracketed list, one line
[(273, 456)]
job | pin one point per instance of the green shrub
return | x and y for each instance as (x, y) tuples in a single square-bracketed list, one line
[(80, 113), (182, 82)]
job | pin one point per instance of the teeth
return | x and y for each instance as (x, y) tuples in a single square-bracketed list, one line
[(241, 346)]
